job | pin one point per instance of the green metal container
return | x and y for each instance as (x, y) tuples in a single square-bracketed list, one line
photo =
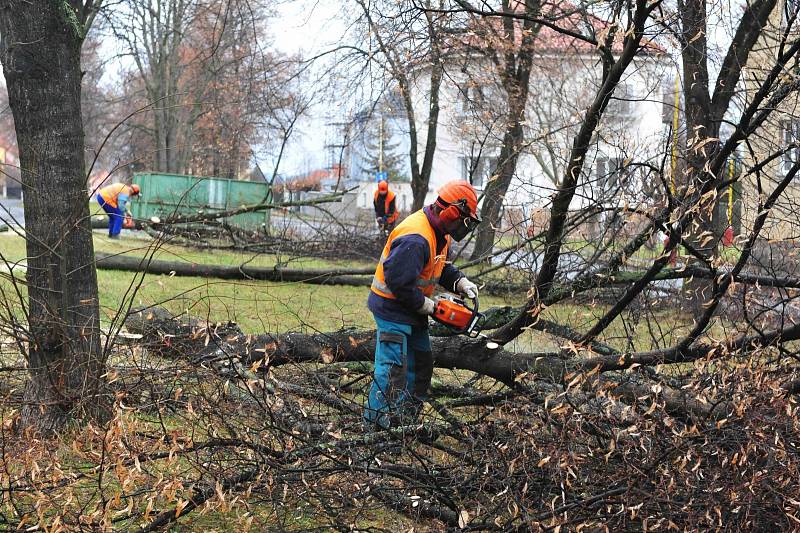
[(165, 195)]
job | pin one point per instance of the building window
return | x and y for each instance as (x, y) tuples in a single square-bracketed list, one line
[(622, 104), (471, 96), (478, 170), (607, 173), (790, 133)]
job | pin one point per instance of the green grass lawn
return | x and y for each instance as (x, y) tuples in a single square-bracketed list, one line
[(277, 307), (257, 306)]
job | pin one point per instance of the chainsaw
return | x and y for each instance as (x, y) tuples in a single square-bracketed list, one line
[(454, 313)]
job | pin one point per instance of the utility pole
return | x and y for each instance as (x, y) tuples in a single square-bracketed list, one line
[(336, 142), (380, 146)]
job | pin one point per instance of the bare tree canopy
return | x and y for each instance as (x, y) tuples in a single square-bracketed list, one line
[(636, 168)]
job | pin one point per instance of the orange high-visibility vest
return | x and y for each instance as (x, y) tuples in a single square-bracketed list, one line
[(415, 224), (387, 201), (110, 193)]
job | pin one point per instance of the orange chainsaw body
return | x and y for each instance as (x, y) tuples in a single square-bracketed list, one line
[(452, 313), (455, 314)]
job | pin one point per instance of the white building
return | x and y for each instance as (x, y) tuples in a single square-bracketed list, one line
[(403, 200), (565, 78)]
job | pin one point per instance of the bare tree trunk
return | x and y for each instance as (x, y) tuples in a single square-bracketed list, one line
[(704, 111), (702, 130), (399, 68), (421, 177), (496, 189), (515, 74), (613, 71), (40, 52)]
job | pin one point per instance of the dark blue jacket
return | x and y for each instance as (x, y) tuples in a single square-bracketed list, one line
[(407, 257)]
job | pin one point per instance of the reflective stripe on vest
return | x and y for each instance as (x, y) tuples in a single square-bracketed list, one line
[(416, 224), (422, 284)]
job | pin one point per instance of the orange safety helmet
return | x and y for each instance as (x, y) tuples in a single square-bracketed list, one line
[(383, 187), (135, 189), (458, 199)]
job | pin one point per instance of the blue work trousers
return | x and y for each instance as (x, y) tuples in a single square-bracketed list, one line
[(403, 370), (115, 217)]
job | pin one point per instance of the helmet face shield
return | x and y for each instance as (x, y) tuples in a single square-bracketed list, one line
[(459, 232), (465, 224), (471, 223), (463, 227), (463, 209)]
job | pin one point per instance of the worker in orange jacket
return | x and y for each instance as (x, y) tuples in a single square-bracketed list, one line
[(114, 200), (385, 207), (413, 262)]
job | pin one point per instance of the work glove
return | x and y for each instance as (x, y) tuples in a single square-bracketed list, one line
[(428, 307), (466, 288), (378, 221)]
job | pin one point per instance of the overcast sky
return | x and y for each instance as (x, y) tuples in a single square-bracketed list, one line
[(308, 28)]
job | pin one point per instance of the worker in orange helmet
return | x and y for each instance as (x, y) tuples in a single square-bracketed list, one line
[(114, 200), (413, 262), (385, 207)]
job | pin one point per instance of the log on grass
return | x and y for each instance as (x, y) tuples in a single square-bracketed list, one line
[(189, 338), (353, 277), (101, 222), (170, 336)]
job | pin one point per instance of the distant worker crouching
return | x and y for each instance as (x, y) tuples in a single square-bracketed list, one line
[(114, 200), (413, 262), (385, 208)]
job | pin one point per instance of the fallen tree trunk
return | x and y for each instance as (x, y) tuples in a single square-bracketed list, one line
[(166, 335), (101, 222), (352, 277), (202, 216), (179, 337)]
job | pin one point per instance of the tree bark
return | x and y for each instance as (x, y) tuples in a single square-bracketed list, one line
[(355, 277), (702, 130), (40, 52), (516, 74), (226, 347), (704, 114)]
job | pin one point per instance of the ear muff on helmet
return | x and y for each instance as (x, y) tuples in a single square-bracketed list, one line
[(452, 211)]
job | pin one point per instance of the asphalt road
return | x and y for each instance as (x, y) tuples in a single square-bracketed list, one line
[(11, 212)]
